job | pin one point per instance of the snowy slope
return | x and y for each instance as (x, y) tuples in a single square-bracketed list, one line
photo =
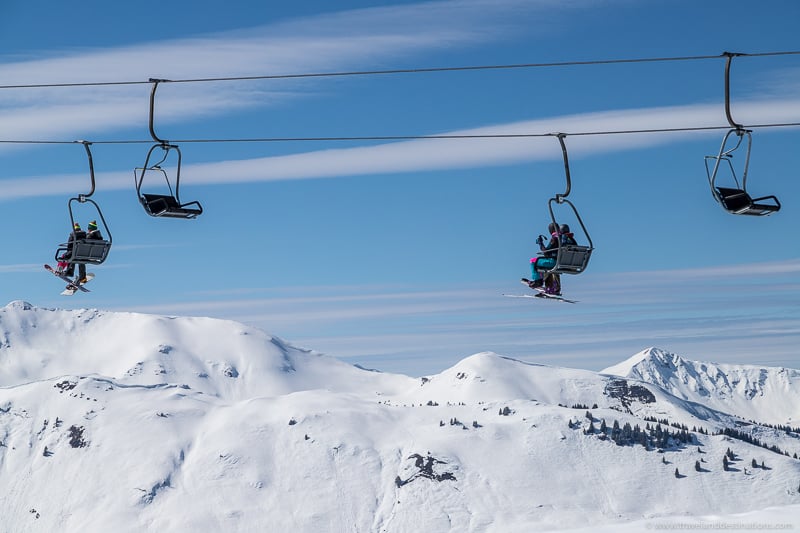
[(216, 357), (770, 395), (130, 422), (488, 377)]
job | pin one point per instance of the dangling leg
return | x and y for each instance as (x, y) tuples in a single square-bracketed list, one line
[(536, 282), (61, 266), (536, 276), (553, 284), (81, 274), (536, 264)]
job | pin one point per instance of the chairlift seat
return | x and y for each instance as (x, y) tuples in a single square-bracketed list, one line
[(571, 259), (738, 202), (86, 251), (165, 205)]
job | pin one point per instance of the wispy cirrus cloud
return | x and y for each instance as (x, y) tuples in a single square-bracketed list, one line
[(427, 329), (323, 43), (22, 267), (437, 154), (354, 39)]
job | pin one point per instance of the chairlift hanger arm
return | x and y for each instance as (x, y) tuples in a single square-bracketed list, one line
[(561, 137), (729, 58), (155, 137), (82, 197)]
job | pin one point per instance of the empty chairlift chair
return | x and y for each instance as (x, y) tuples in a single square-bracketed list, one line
[(164, 205), (159, 204), (733, 195)]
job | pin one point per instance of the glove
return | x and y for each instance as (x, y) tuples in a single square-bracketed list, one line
[(540, 240)]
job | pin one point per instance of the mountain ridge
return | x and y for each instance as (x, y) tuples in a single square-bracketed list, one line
[(208, 425), (763, 394)]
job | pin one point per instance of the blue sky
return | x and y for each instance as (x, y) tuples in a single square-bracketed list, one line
[(395, 254)]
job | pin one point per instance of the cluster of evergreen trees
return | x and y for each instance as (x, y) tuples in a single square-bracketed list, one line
[(666, 422), (746, 437), (582, 406), (650, 437), (780, 427)]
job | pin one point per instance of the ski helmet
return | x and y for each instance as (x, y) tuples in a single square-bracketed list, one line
[(564, 228), (552, 228)]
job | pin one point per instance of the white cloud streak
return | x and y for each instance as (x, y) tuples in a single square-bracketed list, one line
[(323, 43), (419, 330), (351, 39), (437, 154)]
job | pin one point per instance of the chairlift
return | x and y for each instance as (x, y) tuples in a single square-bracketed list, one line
[(86, 251), (571, 258), (733, 196), (163, 205)]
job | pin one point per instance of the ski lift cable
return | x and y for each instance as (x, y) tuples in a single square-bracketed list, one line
[(411, 137), (421, 70)]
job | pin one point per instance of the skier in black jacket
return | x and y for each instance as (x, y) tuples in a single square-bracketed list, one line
[(77, 235)]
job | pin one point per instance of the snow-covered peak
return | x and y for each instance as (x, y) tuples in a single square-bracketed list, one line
[(19, 304), (653, 355), (763, 394), (219, 357)]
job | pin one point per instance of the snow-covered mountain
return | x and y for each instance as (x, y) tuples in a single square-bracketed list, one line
[(770, 395), (132, 422)]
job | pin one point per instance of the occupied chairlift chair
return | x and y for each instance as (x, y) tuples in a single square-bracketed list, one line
[(735, 199), (163, 205), (86, 251), (571, 258)]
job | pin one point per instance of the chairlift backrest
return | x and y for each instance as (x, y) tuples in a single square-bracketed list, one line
[(738, 202), (572, 259), (164, 205), (88, 251)]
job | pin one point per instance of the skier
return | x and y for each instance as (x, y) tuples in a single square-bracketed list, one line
[(546, 261), (93, 232), (567, 237), (64, 261), (64, 266)]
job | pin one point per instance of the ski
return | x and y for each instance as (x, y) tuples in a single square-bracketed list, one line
[(545, 295), (71, 286), (541, 296), (540, 293)]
